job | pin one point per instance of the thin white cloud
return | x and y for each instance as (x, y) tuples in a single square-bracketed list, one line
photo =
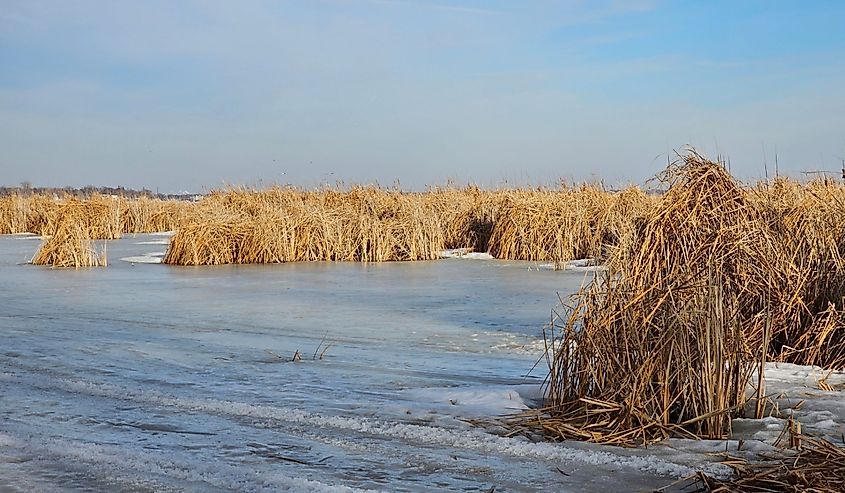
[(438, 6)]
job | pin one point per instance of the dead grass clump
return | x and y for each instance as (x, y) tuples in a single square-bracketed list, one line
[(70, 246), (70, 229), (808, 221), (148, 215), (25, 214), (562, 225), (14, 211), (99, 216), (820, 343), (566, 234), (285, 225), (467, 215), (659, 343), (212, 241)]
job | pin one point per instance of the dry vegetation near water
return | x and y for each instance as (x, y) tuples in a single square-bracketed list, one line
[(705, 283), (70, 246), (699, 293), (287, 225), (372, 225), (817, 467), (366, 224), (69, 225)]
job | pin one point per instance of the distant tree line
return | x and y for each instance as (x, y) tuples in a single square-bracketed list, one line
[(26, 188)]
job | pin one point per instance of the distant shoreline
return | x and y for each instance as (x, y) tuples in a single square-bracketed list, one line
[(90, 190)]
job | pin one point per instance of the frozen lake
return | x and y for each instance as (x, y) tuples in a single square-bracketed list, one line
[(147, 377)]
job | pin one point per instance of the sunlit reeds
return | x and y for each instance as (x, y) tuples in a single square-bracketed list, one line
[(70, 245), (287, 225), (701, 290), (564, 224), (818, 467), (69, 224)]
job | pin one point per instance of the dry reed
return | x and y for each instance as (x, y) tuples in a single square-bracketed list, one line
[(566, 224), (25, 214), (665, 341), (70, 246), (98, 216), (817, 467), (70, 224), (287, 225)]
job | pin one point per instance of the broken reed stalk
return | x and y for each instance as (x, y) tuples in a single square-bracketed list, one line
[(818, 466)]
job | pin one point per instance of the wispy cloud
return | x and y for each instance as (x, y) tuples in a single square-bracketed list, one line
[(438, 6), (410, 89)]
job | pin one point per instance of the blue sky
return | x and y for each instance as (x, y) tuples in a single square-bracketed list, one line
[(191, 95)]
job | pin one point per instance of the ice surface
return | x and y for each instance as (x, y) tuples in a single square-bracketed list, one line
[(25, 236), (138, 378)]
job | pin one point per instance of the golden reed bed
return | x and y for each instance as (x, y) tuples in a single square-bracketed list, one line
[(374, 225), (69, 225), (700, 292), (366, 224)]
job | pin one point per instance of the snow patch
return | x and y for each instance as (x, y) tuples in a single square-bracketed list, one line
[(466, 253), (147, 258), (26, 236), (799, 391)]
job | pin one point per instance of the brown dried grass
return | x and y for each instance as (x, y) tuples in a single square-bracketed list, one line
[(287, 225), (70, 246), (148, 215), (98, 216), (817, 467), (700, 292), (70, 224), (25, 214)]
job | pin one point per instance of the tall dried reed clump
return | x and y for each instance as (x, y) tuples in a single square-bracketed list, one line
[(372, 224), (562, 225), (70, 245), (69, 224), (809, 221), (98, 216), (69, 229), (25, 214), (14, 211), (149, 215), (287, 225), (467, 215), (665, 341)]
